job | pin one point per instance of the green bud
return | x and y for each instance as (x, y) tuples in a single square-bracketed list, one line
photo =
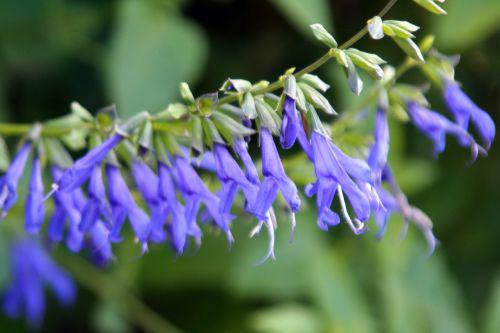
[(317, 99), (197, 134), (186, 93), (410, 48), (374, 26), (230, 128), (315, 82), (431, 6), (238, 85), (248, 106), (82, 113), (4, 155), (323, 36), (210, 133), (265, 113)]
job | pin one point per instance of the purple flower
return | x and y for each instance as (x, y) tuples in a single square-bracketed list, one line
[(123, 206), (10, 180), (177, 227), (148, 184), (195, 191), (435, 126), (99, 244), (32, 269), (305, 143), (35, 208), (396, 201), (290, 123), (377, 159), (464, 109), (96, 206), (275, 179), (334, 170), (81, 170), (66, 207), (241, 149), (232, 179)]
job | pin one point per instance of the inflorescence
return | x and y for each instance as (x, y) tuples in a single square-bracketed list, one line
[(161, 157)]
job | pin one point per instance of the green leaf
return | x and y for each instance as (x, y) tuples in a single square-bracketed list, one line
[(323, 36), (151, 52), (478, 20), (288, 318), (304, 13), (374, 26), (492, 317)]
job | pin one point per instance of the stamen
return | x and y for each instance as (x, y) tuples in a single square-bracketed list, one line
[(270, 249), (360, 226), (54, 188), (256, 229), (294, 224)]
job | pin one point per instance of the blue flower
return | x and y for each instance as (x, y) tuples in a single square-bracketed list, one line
[(10, 180), (81, 170), (334, 170), (32, 269), (290, 123), (194, 191), (177, 227), (96, 205), (35, 207), (123, 206), (99, 244), (275, 179), (377, 159), (232, 179), (464, 110), (240, 148), (148, 184), (66, 207), (435, 126), (396, 201)]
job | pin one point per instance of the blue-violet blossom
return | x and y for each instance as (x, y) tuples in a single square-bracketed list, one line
[(32, 269)]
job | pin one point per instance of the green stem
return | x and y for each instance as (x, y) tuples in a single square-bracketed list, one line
[(315, 65), (14, 129), (10, 129), (101, 284)]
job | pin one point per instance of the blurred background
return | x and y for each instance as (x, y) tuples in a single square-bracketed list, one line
[(134, 53)]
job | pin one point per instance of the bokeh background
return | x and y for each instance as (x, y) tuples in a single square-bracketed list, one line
[(134, 53)]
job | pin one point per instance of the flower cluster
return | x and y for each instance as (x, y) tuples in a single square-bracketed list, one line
[(31, 270), (149, 171)]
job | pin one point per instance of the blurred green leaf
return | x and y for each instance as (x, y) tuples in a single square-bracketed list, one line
[(319, 274), (492, 315), (304, 13), (50, 30), (151, 52), (288, 318), (4, 261), (467, 23)]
